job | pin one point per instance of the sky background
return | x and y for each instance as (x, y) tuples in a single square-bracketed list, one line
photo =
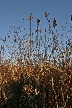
[(15, 10)]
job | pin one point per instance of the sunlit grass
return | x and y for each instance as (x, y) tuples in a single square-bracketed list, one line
[(50, 70)]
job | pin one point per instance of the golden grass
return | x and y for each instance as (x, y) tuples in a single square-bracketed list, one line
[(46, 73)]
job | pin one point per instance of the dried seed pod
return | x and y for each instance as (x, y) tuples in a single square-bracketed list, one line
[(52, 32), (30, 18), (5, 39), (8, 36), (45, 30), (23, 18), (36, 30), (54, 23), (46, 14), (38, 20), (48, 20), (15, 40)]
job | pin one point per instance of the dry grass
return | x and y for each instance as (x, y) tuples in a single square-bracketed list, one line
[(52, 71)]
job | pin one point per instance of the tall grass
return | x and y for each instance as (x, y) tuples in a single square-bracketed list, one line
[(33, 77)]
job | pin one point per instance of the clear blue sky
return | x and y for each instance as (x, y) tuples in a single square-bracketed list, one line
[(15, 10)]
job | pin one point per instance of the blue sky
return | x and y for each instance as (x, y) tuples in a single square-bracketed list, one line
[(16, 10)]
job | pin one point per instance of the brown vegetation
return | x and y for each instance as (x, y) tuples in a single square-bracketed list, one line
[(47, 77)]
